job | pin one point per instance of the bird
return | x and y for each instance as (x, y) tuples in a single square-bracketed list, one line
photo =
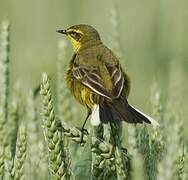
[(98, 81)]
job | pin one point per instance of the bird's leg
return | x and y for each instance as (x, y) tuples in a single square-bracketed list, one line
[(83, 130)]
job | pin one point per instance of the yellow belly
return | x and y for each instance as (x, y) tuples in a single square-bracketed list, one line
[(86, 96), (82, 94)]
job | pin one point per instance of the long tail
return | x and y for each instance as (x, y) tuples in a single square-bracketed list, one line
[(119, 110)]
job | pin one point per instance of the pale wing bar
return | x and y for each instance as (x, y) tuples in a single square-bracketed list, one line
[(92, 79), (117, 78)]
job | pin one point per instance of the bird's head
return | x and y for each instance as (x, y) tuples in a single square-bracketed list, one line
[(81, 35)]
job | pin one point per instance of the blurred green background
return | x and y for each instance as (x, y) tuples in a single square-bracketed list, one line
[(152, 34)]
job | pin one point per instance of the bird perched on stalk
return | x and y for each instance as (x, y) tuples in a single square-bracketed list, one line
[(97, 80)]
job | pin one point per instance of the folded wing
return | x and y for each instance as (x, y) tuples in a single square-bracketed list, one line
[(92, 78)]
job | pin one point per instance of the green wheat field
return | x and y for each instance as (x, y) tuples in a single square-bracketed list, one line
[(40, 121)]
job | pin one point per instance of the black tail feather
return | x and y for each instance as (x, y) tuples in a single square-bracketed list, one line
[(108, 113), (120, 110)]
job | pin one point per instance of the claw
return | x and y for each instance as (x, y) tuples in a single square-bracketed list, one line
[(85, 131)]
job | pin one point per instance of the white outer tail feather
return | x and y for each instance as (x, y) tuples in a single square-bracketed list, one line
[(153, 121), (95, 117)]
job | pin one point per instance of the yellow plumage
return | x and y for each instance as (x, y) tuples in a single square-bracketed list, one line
[(97, 80)]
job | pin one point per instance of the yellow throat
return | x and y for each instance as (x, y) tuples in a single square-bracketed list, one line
[(76, 44)]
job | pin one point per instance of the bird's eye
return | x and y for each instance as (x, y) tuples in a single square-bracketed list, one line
[(73, 33), (76, 35)]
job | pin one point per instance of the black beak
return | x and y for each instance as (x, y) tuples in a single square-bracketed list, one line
[(62, 31)]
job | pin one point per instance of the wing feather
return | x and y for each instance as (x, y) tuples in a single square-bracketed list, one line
[(92, 78), (117, 78)]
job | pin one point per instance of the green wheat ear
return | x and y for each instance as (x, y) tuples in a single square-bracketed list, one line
[(2, 157), (10, 163), (4, 78), (156, 134), (137, 166), (122, 158), (103, 166), (110, 159), (32, 138), (59, 164), (20, 155), (4, 84), (43, 172), (12, 126)]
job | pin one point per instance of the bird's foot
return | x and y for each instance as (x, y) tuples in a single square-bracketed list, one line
[(83, 132)]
